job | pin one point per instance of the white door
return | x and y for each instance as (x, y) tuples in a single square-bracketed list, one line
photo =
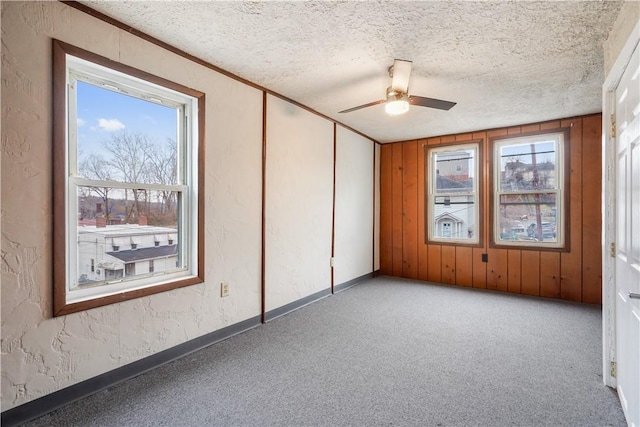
[(627, 263), (446, 229)]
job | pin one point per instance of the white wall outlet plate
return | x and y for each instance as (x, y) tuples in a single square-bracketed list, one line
[(224, 289)]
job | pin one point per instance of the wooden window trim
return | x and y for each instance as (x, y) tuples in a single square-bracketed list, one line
[(480, 190), (60, 305), (566, 165)]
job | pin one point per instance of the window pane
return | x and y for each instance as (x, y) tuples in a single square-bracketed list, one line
[(528, 166), (454, 218), (530, 217), (453, 199), (122, 232), (454, 171), (123, 138)]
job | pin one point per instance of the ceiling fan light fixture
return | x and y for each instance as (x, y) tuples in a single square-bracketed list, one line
[(397, 99), (397, 103), (395, 108)]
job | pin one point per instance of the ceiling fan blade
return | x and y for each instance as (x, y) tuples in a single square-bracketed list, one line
[(431, 102), (362, 106), (401, 74)]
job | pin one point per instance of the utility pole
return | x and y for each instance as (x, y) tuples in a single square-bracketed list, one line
[(536, 182)]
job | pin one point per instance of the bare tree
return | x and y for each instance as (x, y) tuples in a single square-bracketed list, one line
[(94, 166), (129, 157), (162, 169), (133, 158)]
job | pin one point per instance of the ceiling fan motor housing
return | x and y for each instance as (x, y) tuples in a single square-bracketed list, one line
[(394, 94)]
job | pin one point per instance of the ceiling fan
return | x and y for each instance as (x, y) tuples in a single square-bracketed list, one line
[(398, 98)]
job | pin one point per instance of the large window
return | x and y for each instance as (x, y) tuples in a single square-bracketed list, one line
[(453, 208), (529, 191), (128, 165)]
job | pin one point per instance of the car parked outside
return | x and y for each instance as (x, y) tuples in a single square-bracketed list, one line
[(548, 230)]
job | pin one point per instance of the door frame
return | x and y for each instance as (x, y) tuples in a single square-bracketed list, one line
[(608, 200)]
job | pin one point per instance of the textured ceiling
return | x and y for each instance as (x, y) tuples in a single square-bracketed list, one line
[(504, 63)]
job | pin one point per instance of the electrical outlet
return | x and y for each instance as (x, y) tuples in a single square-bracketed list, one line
[(224, 289)]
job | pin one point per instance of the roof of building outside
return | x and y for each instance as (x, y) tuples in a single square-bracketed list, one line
[(519, 165), (442, 182), (142, 254), (447, 215), (125, 230)]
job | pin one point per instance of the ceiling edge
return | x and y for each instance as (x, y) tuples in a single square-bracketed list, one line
[(112, 21)]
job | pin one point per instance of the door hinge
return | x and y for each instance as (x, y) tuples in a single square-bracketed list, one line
[(614, 370), (613, 126), (612, 249)]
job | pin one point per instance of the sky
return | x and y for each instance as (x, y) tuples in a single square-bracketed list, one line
[(544, 152), (101, 113)]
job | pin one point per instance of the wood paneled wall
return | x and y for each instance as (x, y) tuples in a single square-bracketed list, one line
[(575, 275)]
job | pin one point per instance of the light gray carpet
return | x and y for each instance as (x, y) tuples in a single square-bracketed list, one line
[(386, 352)]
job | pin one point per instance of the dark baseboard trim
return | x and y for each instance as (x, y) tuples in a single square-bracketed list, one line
[(288, 308), (45, 404), (50, 402), (352, 282)]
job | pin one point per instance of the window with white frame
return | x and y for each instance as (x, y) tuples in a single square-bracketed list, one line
[(528, 190), (453, 214), (128, 168)]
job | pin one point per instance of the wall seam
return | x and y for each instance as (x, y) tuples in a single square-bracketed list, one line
[(333, 213), (263, 288), (373, 213)]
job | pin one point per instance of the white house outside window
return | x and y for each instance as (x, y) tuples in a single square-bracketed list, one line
[(128, 169), (453, 213), (528, 184)]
